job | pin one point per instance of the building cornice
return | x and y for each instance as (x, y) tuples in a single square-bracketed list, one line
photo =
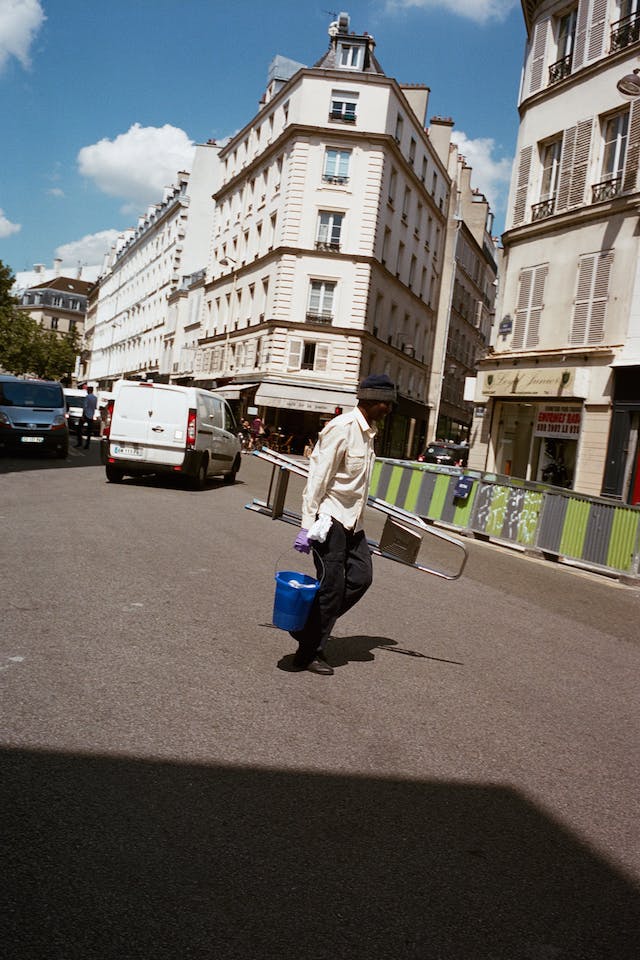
[(560, 222), (512, 358), (632, 51)]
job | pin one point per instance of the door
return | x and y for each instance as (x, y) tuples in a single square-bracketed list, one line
[(149, 424)]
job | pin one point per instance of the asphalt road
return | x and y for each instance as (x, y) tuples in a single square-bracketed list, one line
[(465, 787)]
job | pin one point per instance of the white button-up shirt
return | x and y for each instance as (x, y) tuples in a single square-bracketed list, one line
[(340, 470)]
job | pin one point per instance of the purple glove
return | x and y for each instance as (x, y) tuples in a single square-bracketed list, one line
[(302, 544)]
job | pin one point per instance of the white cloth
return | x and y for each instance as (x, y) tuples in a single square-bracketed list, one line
[(318, 531), (339, 471)]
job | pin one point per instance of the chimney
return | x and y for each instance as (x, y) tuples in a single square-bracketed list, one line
[(418, 96), (440, 136), (38, 268), (57, 263)]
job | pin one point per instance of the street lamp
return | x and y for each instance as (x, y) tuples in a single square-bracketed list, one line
[(229, 262), (629, 85)]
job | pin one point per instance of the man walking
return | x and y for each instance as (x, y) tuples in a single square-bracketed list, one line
[(333, 505), (88, 414)]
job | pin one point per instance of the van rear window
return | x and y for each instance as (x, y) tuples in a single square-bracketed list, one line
[(23, 393)]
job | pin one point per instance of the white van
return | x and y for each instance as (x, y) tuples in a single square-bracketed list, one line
[(164, 428)]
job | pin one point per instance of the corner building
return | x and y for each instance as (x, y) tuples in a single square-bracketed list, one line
[(327, 249), (561, 391)]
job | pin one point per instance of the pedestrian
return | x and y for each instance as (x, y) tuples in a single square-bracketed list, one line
[(308, 448), (333, 506), (88, 414), (257, 431)]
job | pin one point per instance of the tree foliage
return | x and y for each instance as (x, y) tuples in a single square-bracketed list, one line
[(25, 348)]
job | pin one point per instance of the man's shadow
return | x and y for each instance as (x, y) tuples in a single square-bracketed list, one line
[(340, 651)]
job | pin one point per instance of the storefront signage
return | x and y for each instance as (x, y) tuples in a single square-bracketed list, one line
[(554, 420), (540, 382)]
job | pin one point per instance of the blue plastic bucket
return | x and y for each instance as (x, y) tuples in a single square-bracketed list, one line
[(295, 592)]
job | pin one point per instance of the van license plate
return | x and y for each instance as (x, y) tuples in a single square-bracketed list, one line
[(31, 439), (127, 451)]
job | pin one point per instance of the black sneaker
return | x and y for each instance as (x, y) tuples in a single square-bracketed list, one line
[(319, 665)]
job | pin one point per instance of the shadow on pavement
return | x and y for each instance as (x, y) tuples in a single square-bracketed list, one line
[(36, 460), (123, 858)]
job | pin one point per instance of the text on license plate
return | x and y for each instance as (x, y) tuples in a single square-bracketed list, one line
[(31, 439), (127, 451)]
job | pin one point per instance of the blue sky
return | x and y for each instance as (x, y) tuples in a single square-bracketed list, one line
[(102, 100)]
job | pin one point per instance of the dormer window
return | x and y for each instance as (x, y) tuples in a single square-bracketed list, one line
[(343, 106), (349, 56)]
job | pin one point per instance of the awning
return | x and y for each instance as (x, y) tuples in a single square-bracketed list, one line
[(314, 399), (628, 361), (233, 391)]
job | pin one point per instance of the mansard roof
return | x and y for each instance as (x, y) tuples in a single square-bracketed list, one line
[(370, 65)]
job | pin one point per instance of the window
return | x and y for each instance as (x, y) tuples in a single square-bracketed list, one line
[(393, 180), (54, 323), (529, 308), (349, 55), (385, 245), (400, 260), (406, 200), (321, 296), (329, 229), (343, 106), (550, 154), (627, 29), (336, 165), (424, 170), (307, 355), (592, 293), (614, 134), (565, 35), (412, 271), (412, 151), (399, 127)]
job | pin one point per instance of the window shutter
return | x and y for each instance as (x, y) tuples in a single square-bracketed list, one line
[(538, 51), (596, 33), (600, 296), (295, 354), (592, 294), (536, 306), (580, 162), (582, 27), (522, 309), (633, 149), (566, 163), (522, 186), (322, 356)]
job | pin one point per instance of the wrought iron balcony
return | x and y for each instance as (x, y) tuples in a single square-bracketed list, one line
[(347, 117), (560, 69), (543, 209), (316, 316), (625, 32), (335, 178), (607, 189), (328, 245)]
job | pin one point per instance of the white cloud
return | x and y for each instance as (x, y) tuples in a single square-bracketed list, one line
[(20, 21), (55, 192), (138, 164), (6, 227), (479, 10), (89, 251), (490, 175)]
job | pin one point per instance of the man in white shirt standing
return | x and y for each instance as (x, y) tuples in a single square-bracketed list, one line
[(335, 496)]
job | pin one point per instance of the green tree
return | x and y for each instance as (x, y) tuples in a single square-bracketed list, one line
[(25, 347)]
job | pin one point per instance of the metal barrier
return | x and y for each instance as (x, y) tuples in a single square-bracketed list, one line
[(589, 532)]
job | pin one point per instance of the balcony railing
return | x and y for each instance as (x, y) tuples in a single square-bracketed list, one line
[(328, 245), (543, 209), (335, 178), (607, 189), (625, 32), (346, 117), (560, 69), (317, 316)]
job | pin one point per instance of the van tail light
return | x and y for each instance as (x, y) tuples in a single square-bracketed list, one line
[(191, 429), (106, 429)]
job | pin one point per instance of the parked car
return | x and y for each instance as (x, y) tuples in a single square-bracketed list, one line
[(33, 416), (165, 428), (448, 454), (74, 400)]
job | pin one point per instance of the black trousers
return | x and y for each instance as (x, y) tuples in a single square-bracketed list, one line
[(343, 563), (87, 425)]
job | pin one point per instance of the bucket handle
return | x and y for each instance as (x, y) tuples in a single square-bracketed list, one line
[(321, 581)]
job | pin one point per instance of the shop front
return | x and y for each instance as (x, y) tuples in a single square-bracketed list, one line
[(536, 422), (622, 469)]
